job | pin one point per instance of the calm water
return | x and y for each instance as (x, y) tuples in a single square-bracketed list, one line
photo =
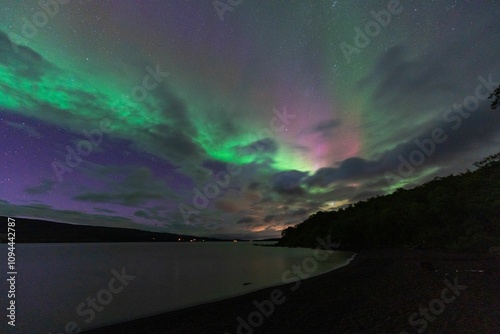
[(54, 280)]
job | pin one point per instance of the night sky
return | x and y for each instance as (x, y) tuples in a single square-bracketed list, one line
[(237, 120)]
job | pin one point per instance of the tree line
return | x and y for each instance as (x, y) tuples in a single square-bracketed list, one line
[(456, 212)]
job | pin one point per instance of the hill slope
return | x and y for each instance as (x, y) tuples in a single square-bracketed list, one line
[(457, 212), (33, 230)]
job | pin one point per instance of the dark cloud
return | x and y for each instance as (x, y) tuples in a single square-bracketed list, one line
[(157, 214), (143, 214), (406, 87), (43, 188), (326, 126), (134, 198), (104, 210), (253, 186), (473, 138), (175, 143), (170, 136), (288, 182), (476, 137), (351, 168), (215, 166), (401, 81), (302, 148), (262, 146), (25, 61), (479, 130), (268, 218), (228, 204), (25, 128), (245, 220), (136, 188), (298, 212), (409, 91)]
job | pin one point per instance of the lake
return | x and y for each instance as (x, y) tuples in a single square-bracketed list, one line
[(60, 287)]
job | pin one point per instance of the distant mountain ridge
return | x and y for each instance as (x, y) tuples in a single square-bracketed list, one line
[(35, 230)]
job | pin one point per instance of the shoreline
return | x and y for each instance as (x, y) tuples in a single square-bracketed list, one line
[(375, 292)]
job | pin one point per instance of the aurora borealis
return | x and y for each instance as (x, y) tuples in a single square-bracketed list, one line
[(237, 127)]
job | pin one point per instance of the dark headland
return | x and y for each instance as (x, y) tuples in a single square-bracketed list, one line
[(41, 231)]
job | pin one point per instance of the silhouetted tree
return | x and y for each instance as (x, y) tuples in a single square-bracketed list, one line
[(496, 94), (488, 161)]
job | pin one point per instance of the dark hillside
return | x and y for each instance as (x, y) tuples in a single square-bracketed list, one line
[(34, 230), (457, 212)]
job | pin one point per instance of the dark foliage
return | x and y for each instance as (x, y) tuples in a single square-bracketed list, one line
[(496, 98), (457, 212)]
